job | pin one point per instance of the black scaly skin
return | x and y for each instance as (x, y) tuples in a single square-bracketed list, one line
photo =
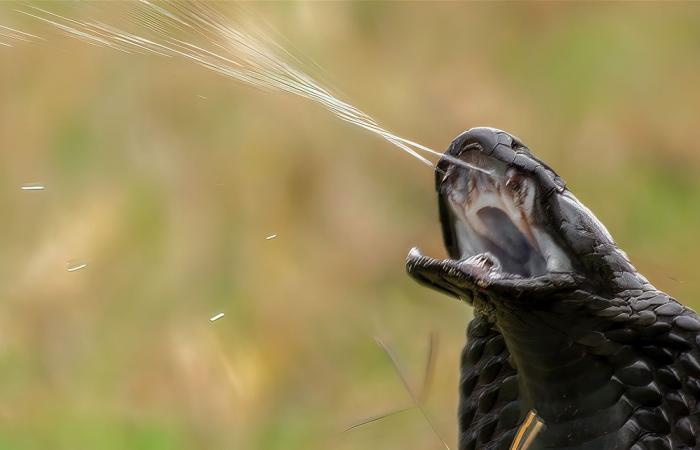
[(489, 408), (608, 361)]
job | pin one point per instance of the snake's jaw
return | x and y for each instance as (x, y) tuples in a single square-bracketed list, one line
[(456, 278), (480, 276), (511, 227)]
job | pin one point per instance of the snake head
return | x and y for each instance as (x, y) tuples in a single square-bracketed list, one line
[(513, 230)]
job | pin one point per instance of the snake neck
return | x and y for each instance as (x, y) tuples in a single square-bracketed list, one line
[(569, 386), (603, 373), (567, 371)]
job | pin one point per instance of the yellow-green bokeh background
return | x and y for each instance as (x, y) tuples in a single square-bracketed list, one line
[(169, 196)]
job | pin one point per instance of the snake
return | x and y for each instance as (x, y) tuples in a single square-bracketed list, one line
[(563, 324)]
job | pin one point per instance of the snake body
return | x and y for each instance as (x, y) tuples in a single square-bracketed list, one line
[(563, 323)]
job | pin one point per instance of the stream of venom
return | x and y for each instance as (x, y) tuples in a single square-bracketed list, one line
[(203, 35)]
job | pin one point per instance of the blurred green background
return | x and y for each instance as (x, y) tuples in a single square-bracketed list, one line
[(166, 178)]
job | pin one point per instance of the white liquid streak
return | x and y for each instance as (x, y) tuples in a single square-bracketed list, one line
[(78, 267), (224, 48), (13, 36), (10, 35), (216, 317), (33, 187), (14, 33)]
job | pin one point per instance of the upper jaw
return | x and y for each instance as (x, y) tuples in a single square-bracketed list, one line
[(498, 218), (491, 215)]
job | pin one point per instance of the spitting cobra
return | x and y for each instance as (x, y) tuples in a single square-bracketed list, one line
[(563, 323)]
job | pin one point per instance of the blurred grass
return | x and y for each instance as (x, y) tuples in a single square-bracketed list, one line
[(169, 196)]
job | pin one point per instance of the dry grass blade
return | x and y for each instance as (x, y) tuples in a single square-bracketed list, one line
[(527, 432), (397, 368), (378, 417), (427, 381), (404, 380), (433, 342)]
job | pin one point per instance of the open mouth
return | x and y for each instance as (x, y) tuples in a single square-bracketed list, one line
[(494, 228)]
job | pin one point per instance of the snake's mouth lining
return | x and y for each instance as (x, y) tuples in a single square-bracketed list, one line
[(496, 231)]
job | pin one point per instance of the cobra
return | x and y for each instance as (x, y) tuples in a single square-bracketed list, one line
[(563, 322)]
